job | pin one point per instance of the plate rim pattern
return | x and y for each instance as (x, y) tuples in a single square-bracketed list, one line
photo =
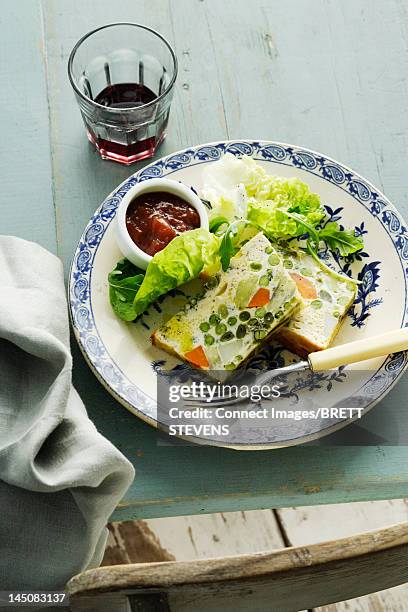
[(312, 162)]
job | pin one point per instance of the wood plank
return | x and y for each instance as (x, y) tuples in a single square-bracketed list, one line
[(309, 576), (179, 480), (258, 82), (306, 525), (193, 537), (248, 74), (27, 208), (288, 476), (186, 538), (81, 179), (278, 83)]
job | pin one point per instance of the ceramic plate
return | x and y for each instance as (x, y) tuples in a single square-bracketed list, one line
[(122, 356)]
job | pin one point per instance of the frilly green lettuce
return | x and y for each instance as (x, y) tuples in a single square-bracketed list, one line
[(283, 208), (241, 188), (282, 221)]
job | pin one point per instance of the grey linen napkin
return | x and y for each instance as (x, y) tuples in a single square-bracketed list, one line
[(59, 478)]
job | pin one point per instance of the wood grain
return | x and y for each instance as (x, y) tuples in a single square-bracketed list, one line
[(331, 570), (304, 71), (231, 533), (164, 486), (186, 538), (307, 524), (304, 525), (27, 207)]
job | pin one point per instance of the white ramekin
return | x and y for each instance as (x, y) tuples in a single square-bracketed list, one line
[(129, 249)]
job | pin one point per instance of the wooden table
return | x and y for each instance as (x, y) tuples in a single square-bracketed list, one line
[(324, 74)]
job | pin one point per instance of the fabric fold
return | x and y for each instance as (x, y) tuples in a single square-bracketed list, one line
[(60, 479)]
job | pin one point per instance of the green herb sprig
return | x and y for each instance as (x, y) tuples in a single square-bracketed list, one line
[(124, 282), (342, 241)]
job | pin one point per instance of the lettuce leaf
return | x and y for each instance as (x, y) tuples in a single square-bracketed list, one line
[(266, 197), (183, 259), (282, 208), (233, 184), (287, 209)]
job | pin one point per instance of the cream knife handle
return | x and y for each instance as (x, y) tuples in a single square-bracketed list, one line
[(359, 350)]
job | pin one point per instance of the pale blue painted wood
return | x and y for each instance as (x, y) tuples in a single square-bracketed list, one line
[(329, 75), (177, 480), (26, 201), (324, 74), (81, 179)]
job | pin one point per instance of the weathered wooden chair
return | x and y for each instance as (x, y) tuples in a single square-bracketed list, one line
[(288, 579)]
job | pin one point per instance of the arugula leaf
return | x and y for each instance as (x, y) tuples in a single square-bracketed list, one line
[(341, 240), (288, 223), (304, 227), (124, 282), (312, 250)]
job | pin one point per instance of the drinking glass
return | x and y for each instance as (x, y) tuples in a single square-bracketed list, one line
[(123, 76)]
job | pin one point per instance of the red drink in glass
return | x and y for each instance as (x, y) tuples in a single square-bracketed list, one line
[(126, 119)]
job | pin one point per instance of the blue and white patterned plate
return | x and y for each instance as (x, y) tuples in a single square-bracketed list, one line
[(121, 355)]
